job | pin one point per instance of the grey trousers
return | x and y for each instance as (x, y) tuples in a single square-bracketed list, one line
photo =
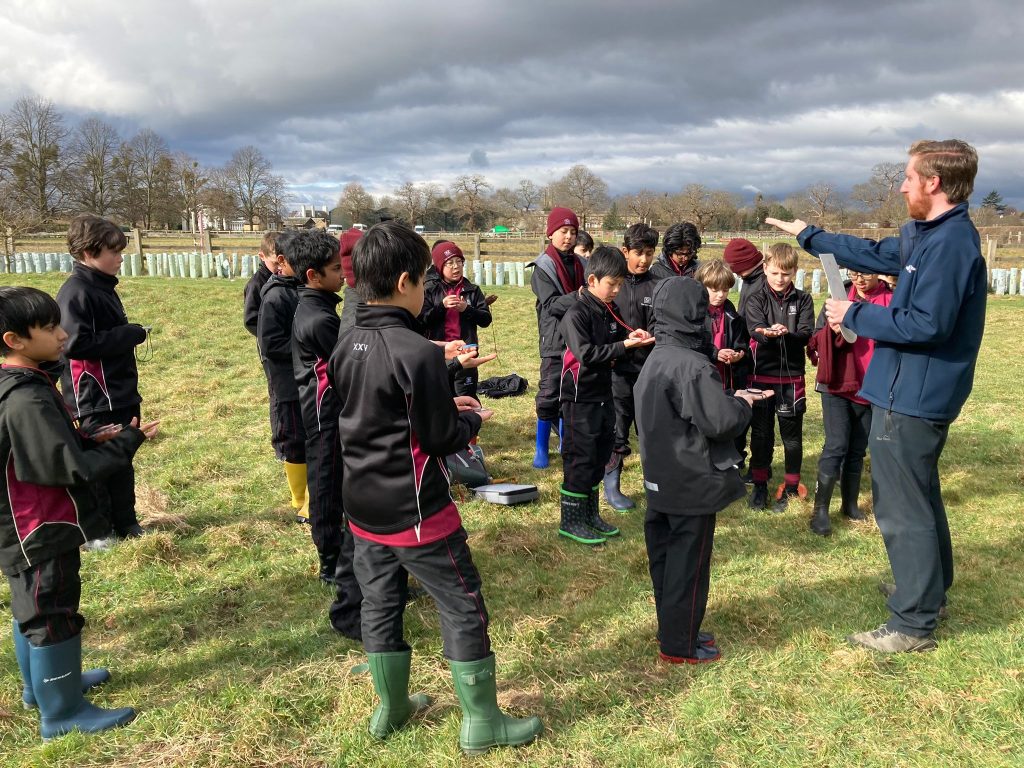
[(905, 453)]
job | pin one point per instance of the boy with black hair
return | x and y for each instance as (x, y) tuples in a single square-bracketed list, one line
[(314, 257), (584, 244), (453, 308), (780, 319), (101, 379), (595, 338), (397, 431), (634, 299), (268, 266), (678, 252), (48, 509), (688, 426), (278, 300), (558, 274)]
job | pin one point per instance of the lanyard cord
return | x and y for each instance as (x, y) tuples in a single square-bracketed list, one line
[(617, 318)]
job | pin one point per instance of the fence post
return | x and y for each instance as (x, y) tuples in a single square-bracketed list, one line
[(136, 241)]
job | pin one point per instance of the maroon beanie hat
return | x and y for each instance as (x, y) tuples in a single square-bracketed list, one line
[(742, 255), (444, 251), (349, 239), (561, 217)]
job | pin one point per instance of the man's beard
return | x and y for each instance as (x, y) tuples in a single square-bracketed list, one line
[(918, 209)]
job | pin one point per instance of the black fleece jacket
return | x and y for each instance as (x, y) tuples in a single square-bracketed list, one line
[(48, 505), (101, 374), (314, 336), (780, 356), (686, 422), (636, 301), (251, 297), (434, 315), (594, 342), (280, 296), (397, 420)]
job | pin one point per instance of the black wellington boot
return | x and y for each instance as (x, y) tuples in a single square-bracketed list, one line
[(849, 488), (820, 522), (575, 513)]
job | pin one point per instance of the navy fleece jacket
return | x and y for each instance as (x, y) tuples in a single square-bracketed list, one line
[(927, 339)]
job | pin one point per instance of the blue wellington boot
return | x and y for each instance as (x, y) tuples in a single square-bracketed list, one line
[(57, 683), (540, 456), (90, 677)]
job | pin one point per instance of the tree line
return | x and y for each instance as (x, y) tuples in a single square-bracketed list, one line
[(49, 170)]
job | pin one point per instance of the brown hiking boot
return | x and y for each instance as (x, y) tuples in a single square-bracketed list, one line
[(885, 640)]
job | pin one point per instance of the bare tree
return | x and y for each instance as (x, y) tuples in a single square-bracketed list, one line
[(698, 204), (410, 201), (355, 202), (583, 191), (527, 197), (468, 193), (129, 201), (825, 204), (643, 205), (190, 179), (156, 182), (36, 133), (273, 202), (248, 174), (91, 183), (880, 194), (217, 198)]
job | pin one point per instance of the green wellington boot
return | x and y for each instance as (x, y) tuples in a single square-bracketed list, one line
[(483, 724), (90, 677), (57, 684), (390, 673)]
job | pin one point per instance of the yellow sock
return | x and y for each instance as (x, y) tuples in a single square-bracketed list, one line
[(296, 475)]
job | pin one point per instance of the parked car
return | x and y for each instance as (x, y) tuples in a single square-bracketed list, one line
[(419, 229)]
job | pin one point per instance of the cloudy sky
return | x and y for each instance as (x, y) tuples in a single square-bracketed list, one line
[(767, 95)]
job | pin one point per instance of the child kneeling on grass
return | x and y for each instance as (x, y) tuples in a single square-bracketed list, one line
[(48, 509), (396, 430), (687, 425)]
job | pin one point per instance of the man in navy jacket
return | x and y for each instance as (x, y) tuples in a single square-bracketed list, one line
[(926, 347)]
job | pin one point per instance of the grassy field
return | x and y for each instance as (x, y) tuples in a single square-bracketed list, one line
[(216, 628)]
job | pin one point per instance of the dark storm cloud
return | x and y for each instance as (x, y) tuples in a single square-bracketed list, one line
[(774, 95)]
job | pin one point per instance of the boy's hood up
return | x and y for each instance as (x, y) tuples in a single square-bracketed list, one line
[(681, 312)]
